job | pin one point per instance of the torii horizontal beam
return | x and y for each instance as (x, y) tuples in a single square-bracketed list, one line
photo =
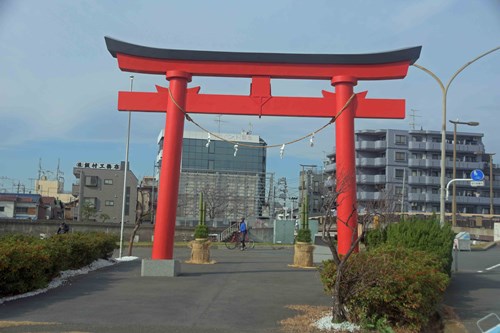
[(370, 66), (262, 106)]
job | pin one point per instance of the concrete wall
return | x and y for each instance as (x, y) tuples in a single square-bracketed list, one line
[(496, 236), (145, 233)]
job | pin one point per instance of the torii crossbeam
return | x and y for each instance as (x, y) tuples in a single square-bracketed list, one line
[(179, 66)]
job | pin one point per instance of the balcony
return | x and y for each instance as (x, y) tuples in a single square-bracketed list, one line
[(423, 163), (468, 148), (370, 196), (371, 145), (329, 168), (371, 179), (415, 197), (471, 200), (424, 180), (371, 162), (75, 189), (469, 165), (416, 145)]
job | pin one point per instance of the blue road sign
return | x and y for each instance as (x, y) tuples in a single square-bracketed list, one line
[(477, 175)]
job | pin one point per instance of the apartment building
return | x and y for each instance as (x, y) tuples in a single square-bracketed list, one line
[(403, 168)]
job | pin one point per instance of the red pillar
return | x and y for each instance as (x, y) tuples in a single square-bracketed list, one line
[(163, 244), (345, 164)]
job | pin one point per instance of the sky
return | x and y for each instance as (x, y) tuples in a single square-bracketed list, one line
[(59, 84)]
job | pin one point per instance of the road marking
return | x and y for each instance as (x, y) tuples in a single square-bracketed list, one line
[(7, 323), (479, 271), (489, 268)]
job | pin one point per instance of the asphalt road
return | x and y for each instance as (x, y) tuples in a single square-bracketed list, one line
[(474, 291), (245, 291)]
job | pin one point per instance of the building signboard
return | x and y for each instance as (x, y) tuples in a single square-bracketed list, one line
[(102, 166)]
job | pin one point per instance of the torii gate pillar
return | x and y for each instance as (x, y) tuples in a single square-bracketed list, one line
[(163, 245), (346, 164)]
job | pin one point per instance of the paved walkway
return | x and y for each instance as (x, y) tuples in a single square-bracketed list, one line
[(246, 291)]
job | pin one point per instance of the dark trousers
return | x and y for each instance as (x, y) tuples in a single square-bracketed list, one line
[(242, 239)]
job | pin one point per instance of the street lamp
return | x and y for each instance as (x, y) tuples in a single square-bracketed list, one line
[(454, 195), (444, 91), (125, 174)]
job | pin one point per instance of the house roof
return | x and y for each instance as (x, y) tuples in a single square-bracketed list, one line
[(48, 200), (20, 197)]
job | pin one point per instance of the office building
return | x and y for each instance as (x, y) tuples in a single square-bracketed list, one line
[(99, 190), (230, 172)]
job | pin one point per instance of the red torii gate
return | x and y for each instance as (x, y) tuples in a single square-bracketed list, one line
[(343, 70)]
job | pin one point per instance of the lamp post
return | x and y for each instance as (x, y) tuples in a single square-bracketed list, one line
[(444, 91), (454, 193), (125, 174)]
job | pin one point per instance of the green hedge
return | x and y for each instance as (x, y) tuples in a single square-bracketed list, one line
[(424, 235), (397, 284), (28, 263)]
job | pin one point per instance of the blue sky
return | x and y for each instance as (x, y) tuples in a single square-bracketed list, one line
[(59, 84)]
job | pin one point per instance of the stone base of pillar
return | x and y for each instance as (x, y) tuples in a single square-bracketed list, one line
[(167, 267)]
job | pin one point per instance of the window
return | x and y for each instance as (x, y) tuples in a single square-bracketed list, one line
[(400, 139), (109, 203), (91, 202), (22, 210), (399, 173), (398, 190), (108, 181), (2, 209), (127, 200), (91, 181), (400, 156)]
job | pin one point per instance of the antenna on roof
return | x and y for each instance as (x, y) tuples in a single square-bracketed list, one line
[(218, 120), (413, 116)]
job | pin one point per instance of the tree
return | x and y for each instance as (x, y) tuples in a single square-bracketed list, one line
[(88, 211), (104, 217), (141, 212), (216, 200), (375, 210)]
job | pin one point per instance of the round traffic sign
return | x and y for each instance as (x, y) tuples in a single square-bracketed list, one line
[(477, 175)]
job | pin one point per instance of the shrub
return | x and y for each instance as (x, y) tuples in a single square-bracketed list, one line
[(24, 263), (397, 284), (304, 236), (201, 231), (28, 263), (424, 235)]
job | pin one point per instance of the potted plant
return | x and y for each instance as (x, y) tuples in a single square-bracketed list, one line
[(303, 249), (200, 246)]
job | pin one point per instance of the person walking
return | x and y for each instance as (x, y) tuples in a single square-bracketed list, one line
[(243, 233), (63, 228)]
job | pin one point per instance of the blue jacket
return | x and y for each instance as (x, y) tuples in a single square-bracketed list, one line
[(243, 226)]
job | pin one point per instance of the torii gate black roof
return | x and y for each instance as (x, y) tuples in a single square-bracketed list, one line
[(402, 55)]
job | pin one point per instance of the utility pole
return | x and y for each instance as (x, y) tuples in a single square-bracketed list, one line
[(306, 180)]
